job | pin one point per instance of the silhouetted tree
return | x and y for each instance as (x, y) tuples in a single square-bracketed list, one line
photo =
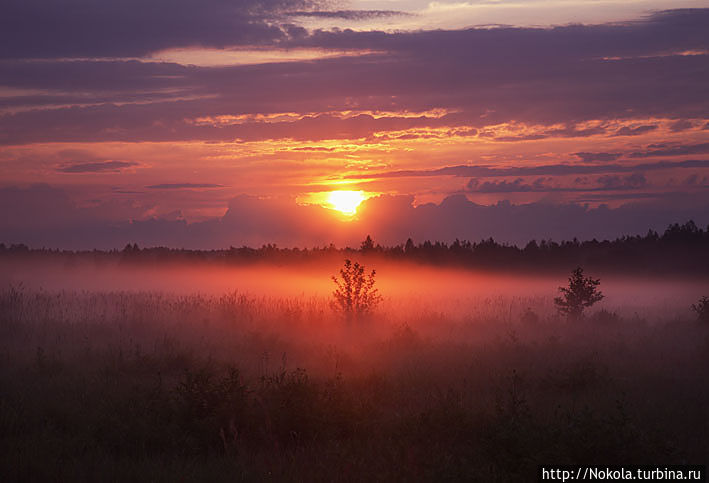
[(355, 295), (367, 245), (702, 309), (581, 293)]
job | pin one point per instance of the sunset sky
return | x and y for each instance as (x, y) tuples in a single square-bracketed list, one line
[(210, 123)]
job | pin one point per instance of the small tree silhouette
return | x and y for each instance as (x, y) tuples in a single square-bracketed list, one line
[(702, 309), (355, 295), (582, 292), (367, 245)]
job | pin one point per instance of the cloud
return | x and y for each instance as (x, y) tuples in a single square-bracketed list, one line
[(565, 132), (97, 167), (314, 149), (46, 216), (546, 77), (28, 212), (593, 157), (635, 131), (617, 182), (102, 28), (516, 186), (637, 196), (350, 14), (681, 125), (179, 186), (482, 171), (681, 30), (671, 150), (695, 180), (610, 182), (97, 28)]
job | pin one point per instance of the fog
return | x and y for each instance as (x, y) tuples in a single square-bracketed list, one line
[(449, 291), (252, 366)]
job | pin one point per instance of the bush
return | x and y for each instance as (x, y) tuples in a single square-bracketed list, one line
[(355, 295)]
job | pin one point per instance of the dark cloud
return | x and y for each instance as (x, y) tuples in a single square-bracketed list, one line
[(609, 182), (680, 30), (488, 171), (681, 125), (95, 28), (617, 182), (695, 180), (103, 28), (566, 132), (25, 209), (601, 197), (518, 185), (671, 150), (45, 216), (523, 137), (635, 131), (594, 157), (487, 76), (179, 186), (39, 210), (350, 14), (97, 167), (167, 122), (314, 149)]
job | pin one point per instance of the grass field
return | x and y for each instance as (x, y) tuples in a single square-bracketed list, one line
[(101, 385)]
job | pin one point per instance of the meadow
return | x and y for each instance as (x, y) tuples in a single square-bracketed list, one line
[(206, 374)]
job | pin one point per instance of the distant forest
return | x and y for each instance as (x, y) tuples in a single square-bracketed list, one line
[(681, 249)]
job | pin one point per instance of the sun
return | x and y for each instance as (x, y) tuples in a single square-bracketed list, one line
[(346, 202)]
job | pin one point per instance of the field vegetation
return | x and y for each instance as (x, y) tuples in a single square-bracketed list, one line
[(161, 386)]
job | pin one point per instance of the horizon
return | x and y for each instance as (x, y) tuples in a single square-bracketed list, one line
[(688, 227)]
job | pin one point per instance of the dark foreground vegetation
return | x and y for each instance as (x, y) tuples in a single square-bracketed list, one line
[(153, 387), (681, 249)]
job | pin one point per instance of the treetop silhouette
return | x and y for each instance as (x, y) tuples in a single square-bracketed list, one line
[(581, 293)]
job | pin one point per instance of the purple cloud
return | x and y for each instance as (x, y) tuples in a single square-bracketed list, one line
[(45, 216), (594, 157), (350, 14), (681, 125), (488, 171), (179, 186), (97, 167), (635, 131), (617, 182), (561, 75), (95, 28), (609, 182), (671, 150)]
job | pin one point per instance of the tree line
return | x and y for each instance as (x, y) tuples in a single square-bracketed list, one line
[(681, 248)]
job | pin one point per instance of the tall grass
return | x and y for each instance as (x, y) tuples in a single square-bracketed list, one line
[(160, 387)]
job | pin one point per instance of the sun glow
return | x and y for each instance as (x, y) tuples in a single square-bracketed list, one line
[(345, 202)]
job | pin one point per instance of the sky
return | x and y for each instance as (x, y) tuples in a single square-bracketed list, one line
[(217, 123)]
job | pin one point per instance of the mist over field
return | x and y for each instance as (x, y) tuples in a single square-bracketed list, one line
[(250, 371), (448, 289)]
